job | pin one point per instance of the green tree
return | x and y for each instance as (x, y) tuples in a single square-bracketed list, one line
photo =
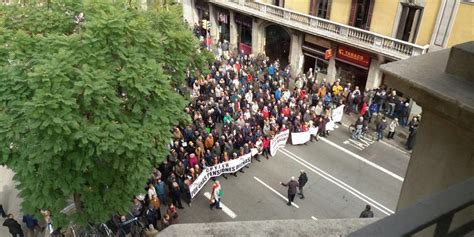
[(87, 105)]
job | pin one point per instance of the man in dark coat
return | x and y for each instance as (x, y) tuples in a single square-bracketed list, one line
[(302, 180), (13, 226), (367, 213), (292, 185)]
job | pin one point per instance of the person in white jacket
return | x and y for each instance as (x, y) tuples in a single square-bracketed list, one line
[(391, 128)]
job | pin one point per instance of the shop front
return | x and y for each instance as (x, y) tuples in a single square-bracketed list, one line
[(223, 20), (203, 16), (244, 31), (314, 49), (352, 66)]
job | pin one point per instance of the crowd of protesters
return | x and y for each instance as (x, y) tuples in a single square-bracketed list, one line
[(240, 105)]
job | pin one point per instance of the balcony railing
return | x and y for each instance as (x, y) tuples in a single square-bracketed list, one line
[(388, 46), (436, 210)]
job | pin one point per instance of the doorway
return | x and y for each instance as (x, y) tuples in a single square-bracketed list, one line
[(277, 44)]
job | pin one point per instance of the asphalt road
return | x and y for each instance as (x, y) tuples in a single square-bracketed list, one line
[(344, 175)]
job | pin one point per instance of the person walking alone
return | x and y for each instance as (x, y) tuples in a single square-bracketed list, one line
[(367, 213), (216, 195), (292, 185), (13, 226), (302, 180)]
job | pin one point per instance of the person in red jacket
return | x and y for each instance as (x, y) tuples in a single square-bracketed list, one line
[(266, 146), (286, 111), (265, 113), (192, 160), (364, 108)]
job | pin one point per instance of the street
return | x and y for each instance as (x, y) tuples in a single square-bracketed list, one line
[(343, 178)]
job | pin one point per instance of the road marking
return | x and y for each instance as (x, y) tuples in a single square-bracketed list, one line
[(385, 143), (279, 194), (338, 182), (347, 142), (225, 209), (314, 218), (394, 147), (362, 159)]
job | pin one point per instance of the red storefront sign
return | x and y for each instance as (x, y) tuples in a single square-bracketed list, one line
[(353, 56)]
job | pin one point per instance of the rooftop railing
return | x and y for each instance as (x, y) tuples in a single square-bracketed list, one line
[(391, 47)]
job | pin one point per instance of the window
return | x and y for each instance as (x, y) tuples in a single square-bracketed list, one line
[(361, 13), (409, 23), (278, 3), (320, 8)]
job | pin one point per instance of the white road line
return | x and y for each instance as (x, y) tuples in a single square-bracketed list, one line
[(386, 143), (339, 183), (361, 144), (279, 194), (394, 147), (362, 159), (355, 146), (314, 218), (225, 209)]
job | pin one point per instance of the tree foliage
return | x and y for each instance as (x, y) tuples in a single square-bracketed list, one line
[(86, 107)]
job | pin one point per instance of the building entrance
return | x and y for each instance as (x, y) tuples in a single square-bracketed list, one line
[(277, 44)]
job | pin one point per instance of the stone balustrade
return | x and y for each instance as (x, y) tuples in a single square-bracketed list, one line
[(387, 46)]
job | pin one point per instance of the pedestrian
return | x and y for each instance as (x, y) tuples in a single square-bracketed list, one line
[(391, 128), (359, 125), (216, 195), (176, 195), (367, 213), (165, 221), (13, 226), (124, 228), (2, 211), (302, 180), (413, 127), (151, 231), (381, 128), (292, 185), (31, 223), (266, 146), (151, 215)]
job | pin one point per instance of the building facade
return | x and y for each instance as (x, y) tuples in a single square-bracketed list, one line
[(340, 39)]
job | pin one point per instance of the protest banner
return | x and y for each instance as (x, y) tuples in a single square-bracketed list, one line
[(337, 114), (278, 141), (298, 138), (230, 166), (330, 126)]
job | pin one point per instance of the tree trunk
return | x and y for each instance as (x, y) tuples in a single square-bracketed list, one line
[(77, 202)]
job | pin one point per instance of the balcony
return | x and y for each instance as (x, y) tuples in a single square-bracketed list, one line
[(389, 47)]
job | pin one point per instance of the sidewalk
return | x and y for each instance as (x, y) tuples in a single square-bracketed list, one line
[(401, 133), (9, 198)]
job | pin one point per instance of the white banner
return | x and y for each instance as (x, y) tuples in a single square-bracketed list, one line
[(230, 166), (313, 131), (298, 138), (337, 114), (330, 125), (278, 142)]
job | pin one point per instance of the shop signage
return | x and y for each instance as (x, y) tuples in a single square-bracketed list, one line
[(353, 56), (328, 54), (317, 41)]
